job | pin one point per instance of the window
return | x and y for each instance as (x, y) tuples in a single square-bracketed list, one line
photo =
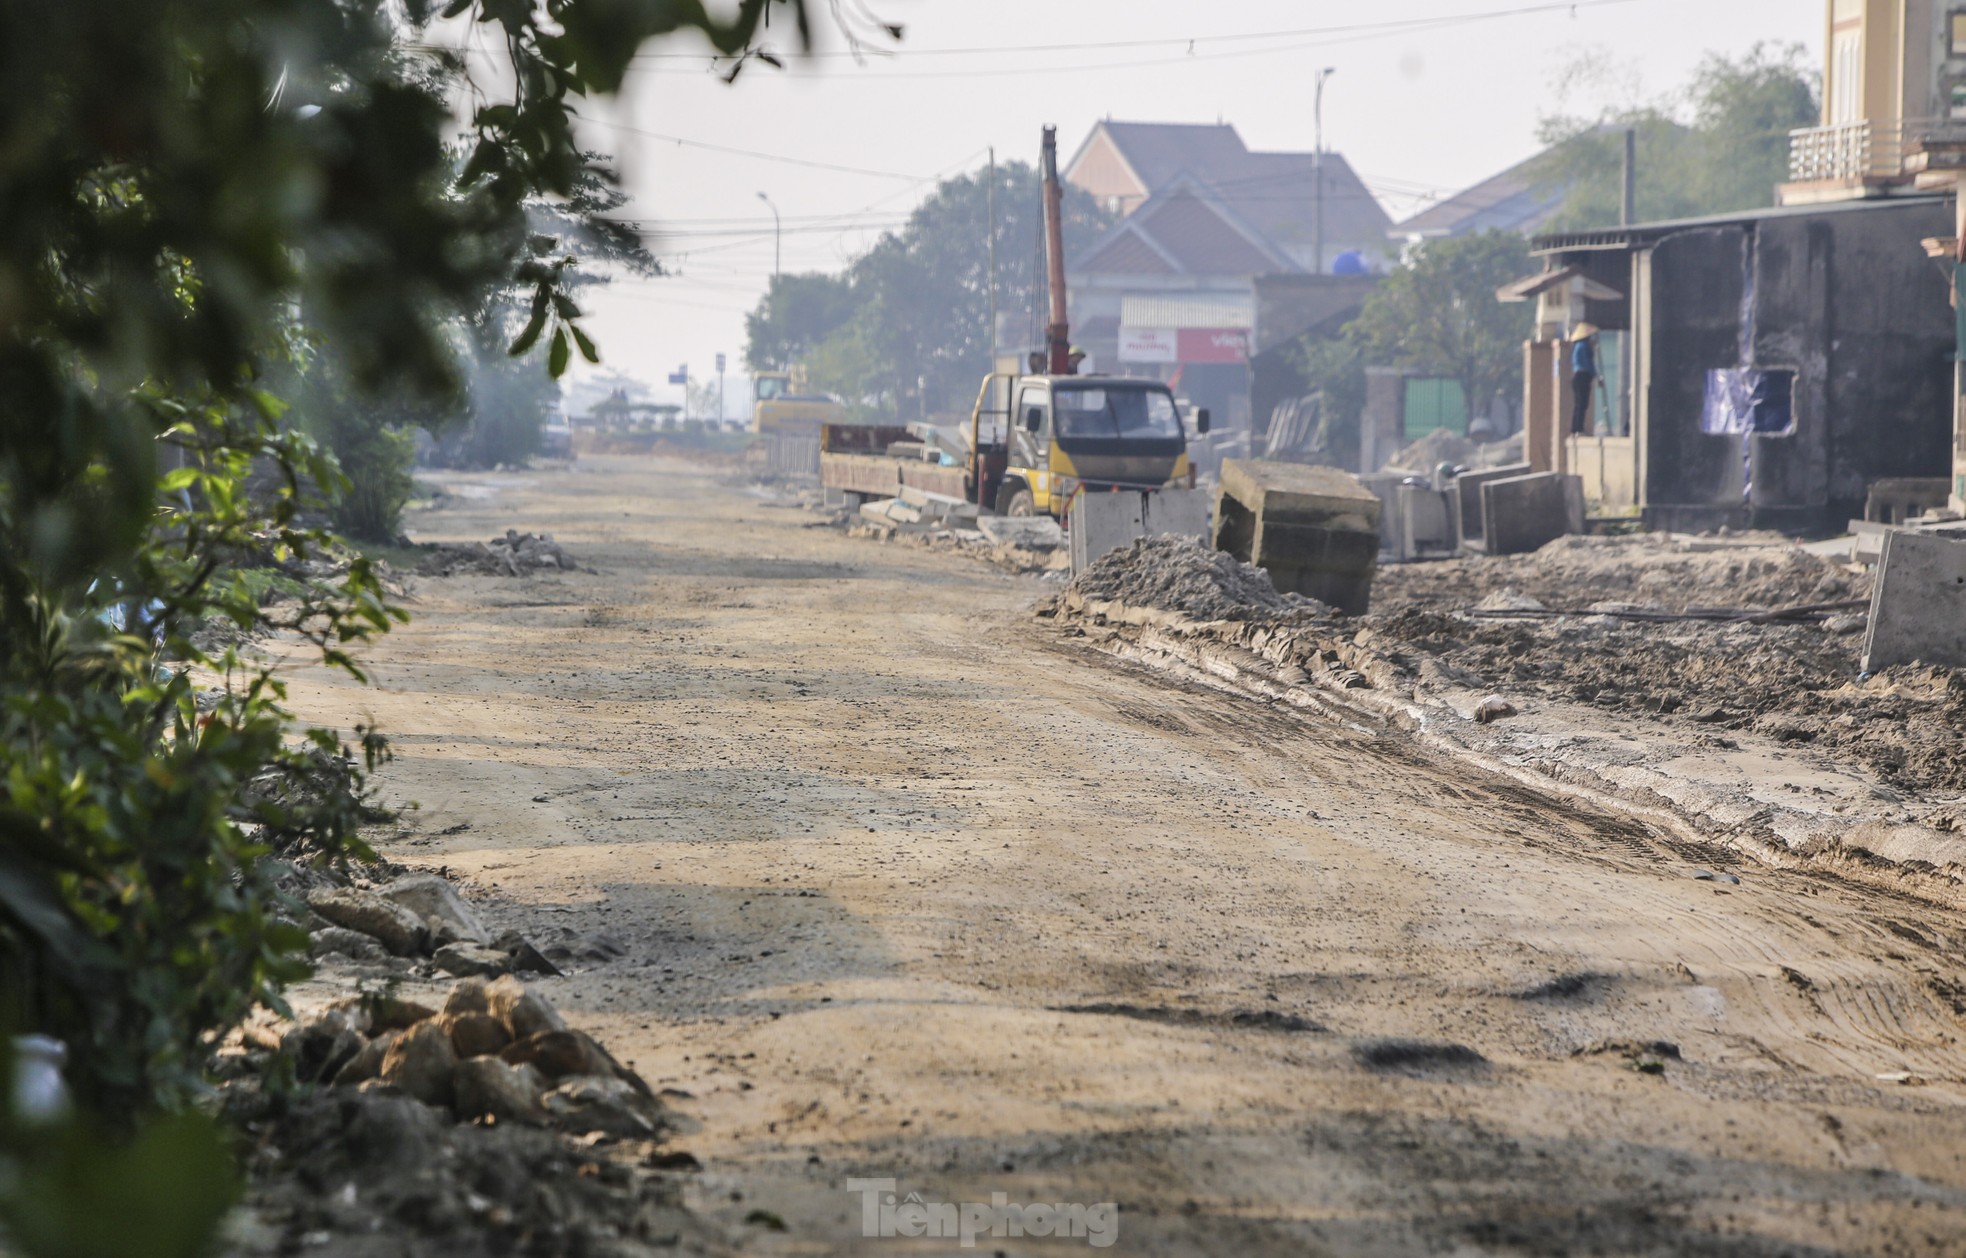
[(1956, 32), (1117, 414)]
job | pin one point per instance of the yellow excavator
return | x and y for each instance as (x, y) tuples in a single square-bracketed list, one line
[(783, 403)]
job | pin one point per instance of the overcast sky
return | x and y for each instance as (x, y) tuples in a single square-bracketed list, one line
[(1429, 96)]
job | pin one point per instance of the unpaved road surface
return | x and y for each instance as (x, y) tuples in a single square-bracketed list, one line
[(905, 884)]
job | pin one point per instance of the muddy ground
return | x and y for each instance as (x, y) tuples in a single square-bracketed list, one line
[(1800, 684), (908, 884)]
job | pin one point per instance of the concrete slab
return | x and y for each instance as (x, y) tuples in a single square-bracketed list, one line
[(1524, 513), (1038, 532), (1102, 523), (1179, 513), (1427, 526), (1918, 606), (1470, 483), (1301, 493)]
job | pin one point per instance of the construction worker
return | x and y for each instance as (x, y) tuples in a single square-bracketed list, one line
[(1073, 357), (1583, 377)]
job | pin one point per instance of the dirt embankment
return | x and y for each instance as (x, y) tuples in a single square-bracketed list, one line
[(1653, 632)]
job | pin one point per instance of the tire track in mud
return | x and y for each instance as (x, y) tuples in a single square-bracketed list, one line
[(1865, 1016)]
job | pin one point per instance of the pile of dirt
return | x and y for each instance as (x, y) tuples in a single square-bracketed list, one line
[(1672, 573), (1180, 575), (512, 555), (1444, 446)]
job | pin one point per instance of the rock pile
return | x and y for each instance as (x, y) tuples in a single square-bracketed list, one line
[(495, 1051), (1182, 576), (512, 555), (420, 915)]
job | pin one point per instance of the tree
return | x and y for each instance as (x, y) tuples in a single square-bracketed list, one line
[(176, 178), (1717, 146), (1437, 314), (797, 313), (905, 330)]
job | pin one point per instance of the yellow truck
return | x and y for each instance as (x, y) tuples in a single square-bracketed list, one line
[(1037, 440), (1034, 441)]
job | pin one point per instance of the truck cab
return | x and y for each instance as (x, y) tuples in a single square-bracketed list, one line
[(1039, 439)]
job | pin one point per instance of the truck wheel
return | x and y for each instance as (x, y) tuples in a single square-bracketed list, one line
[(1021, 504)]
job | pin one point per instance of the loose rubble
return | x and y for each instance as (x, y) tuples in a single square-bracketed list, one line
[(1180, 575), (512, 555), (473, 1116), (1027, 545), (1678, 637)]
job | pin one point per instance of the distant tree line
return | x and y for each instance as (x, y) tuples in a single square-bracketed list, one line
[(904, 331)]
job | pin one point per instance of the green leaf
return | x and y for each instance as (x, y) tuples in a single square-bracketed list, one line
[(556, 358), (586, 344)]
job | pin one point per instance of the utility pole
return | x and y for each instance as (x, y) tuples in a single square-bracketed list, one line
[(1629, 210), (1317, 163), (993, 257), (722, 414), (777, 235)]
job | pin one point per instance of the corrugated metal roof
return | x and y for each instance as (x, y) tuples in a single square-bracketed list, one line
[(1206, 310)]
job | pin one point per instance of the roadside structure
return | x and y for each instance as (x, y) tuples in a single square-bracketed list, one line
[(1783, 361), (1894, 125), (1186, 287)]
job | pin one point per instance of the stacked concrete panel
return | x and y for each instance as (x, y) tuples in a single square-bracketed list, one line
[(1315, 530), (1524, 513)]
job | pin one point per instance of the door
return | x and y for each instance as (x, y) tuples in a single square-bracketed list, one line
[(1029, 450)]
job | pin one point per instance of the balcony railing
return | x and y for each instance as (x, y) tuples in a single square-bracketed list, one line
[(1862, 150)]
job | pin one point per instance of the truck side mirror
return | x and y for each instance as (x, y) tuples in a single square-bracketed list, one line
[(1033, 418), (1201, 421)]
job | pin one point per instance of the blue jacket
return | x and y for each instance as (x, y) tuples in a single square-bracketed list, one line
[(1583, 356)]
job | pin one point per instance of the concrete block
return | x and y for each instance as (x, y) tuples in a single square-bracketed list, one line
[(1305, 494), (1427, 528), (1918, 606), (1385, 487), (1470, 483), (1103, 523), (1178, 513), (1524, 513), (1315, 530)]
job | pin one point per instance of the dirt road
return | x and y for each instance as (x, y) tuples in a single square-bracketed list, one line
[(905, 885)]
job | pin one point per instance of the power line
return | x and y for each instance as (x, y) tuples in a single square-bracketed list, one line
[(768, 157), (864, 55)]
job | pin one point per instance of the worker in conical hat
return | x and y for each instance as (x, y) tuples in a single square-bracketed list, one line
[(1583, 376)]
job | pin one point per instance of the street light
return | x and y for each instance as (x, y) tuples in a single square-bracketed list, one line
[(1318, 164), (777, 234)]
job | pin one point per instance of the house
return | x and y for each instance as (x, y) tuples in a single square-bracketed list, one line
[(1172, 289), (1517, 200), (1780, 360)]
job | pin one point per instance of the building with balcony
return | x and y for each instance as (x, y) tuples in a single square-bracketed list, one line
[(1894, 94)]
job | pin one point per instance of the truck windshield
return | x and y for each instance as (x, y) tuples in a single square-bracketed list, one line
[(1116, 414)]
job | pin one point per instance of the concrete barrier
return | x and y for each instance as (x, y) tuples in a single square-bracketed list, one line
[(1918, 606), (1103, 522), (1469, 484), (1524, 513), (1315, 530)]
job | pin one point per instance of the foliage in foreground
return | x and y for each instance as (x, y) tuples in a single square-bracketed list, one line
[(177, 177)]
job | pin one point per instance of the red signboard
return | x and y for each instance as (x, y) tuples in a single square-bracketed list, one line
[(1214, 345)]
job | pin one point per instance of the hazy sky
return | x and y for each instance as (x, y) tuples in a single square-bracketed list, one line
[(1428, 98)]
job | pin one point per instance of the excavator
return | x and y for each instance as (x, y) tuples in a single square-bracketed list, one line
[(1037, 439)]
